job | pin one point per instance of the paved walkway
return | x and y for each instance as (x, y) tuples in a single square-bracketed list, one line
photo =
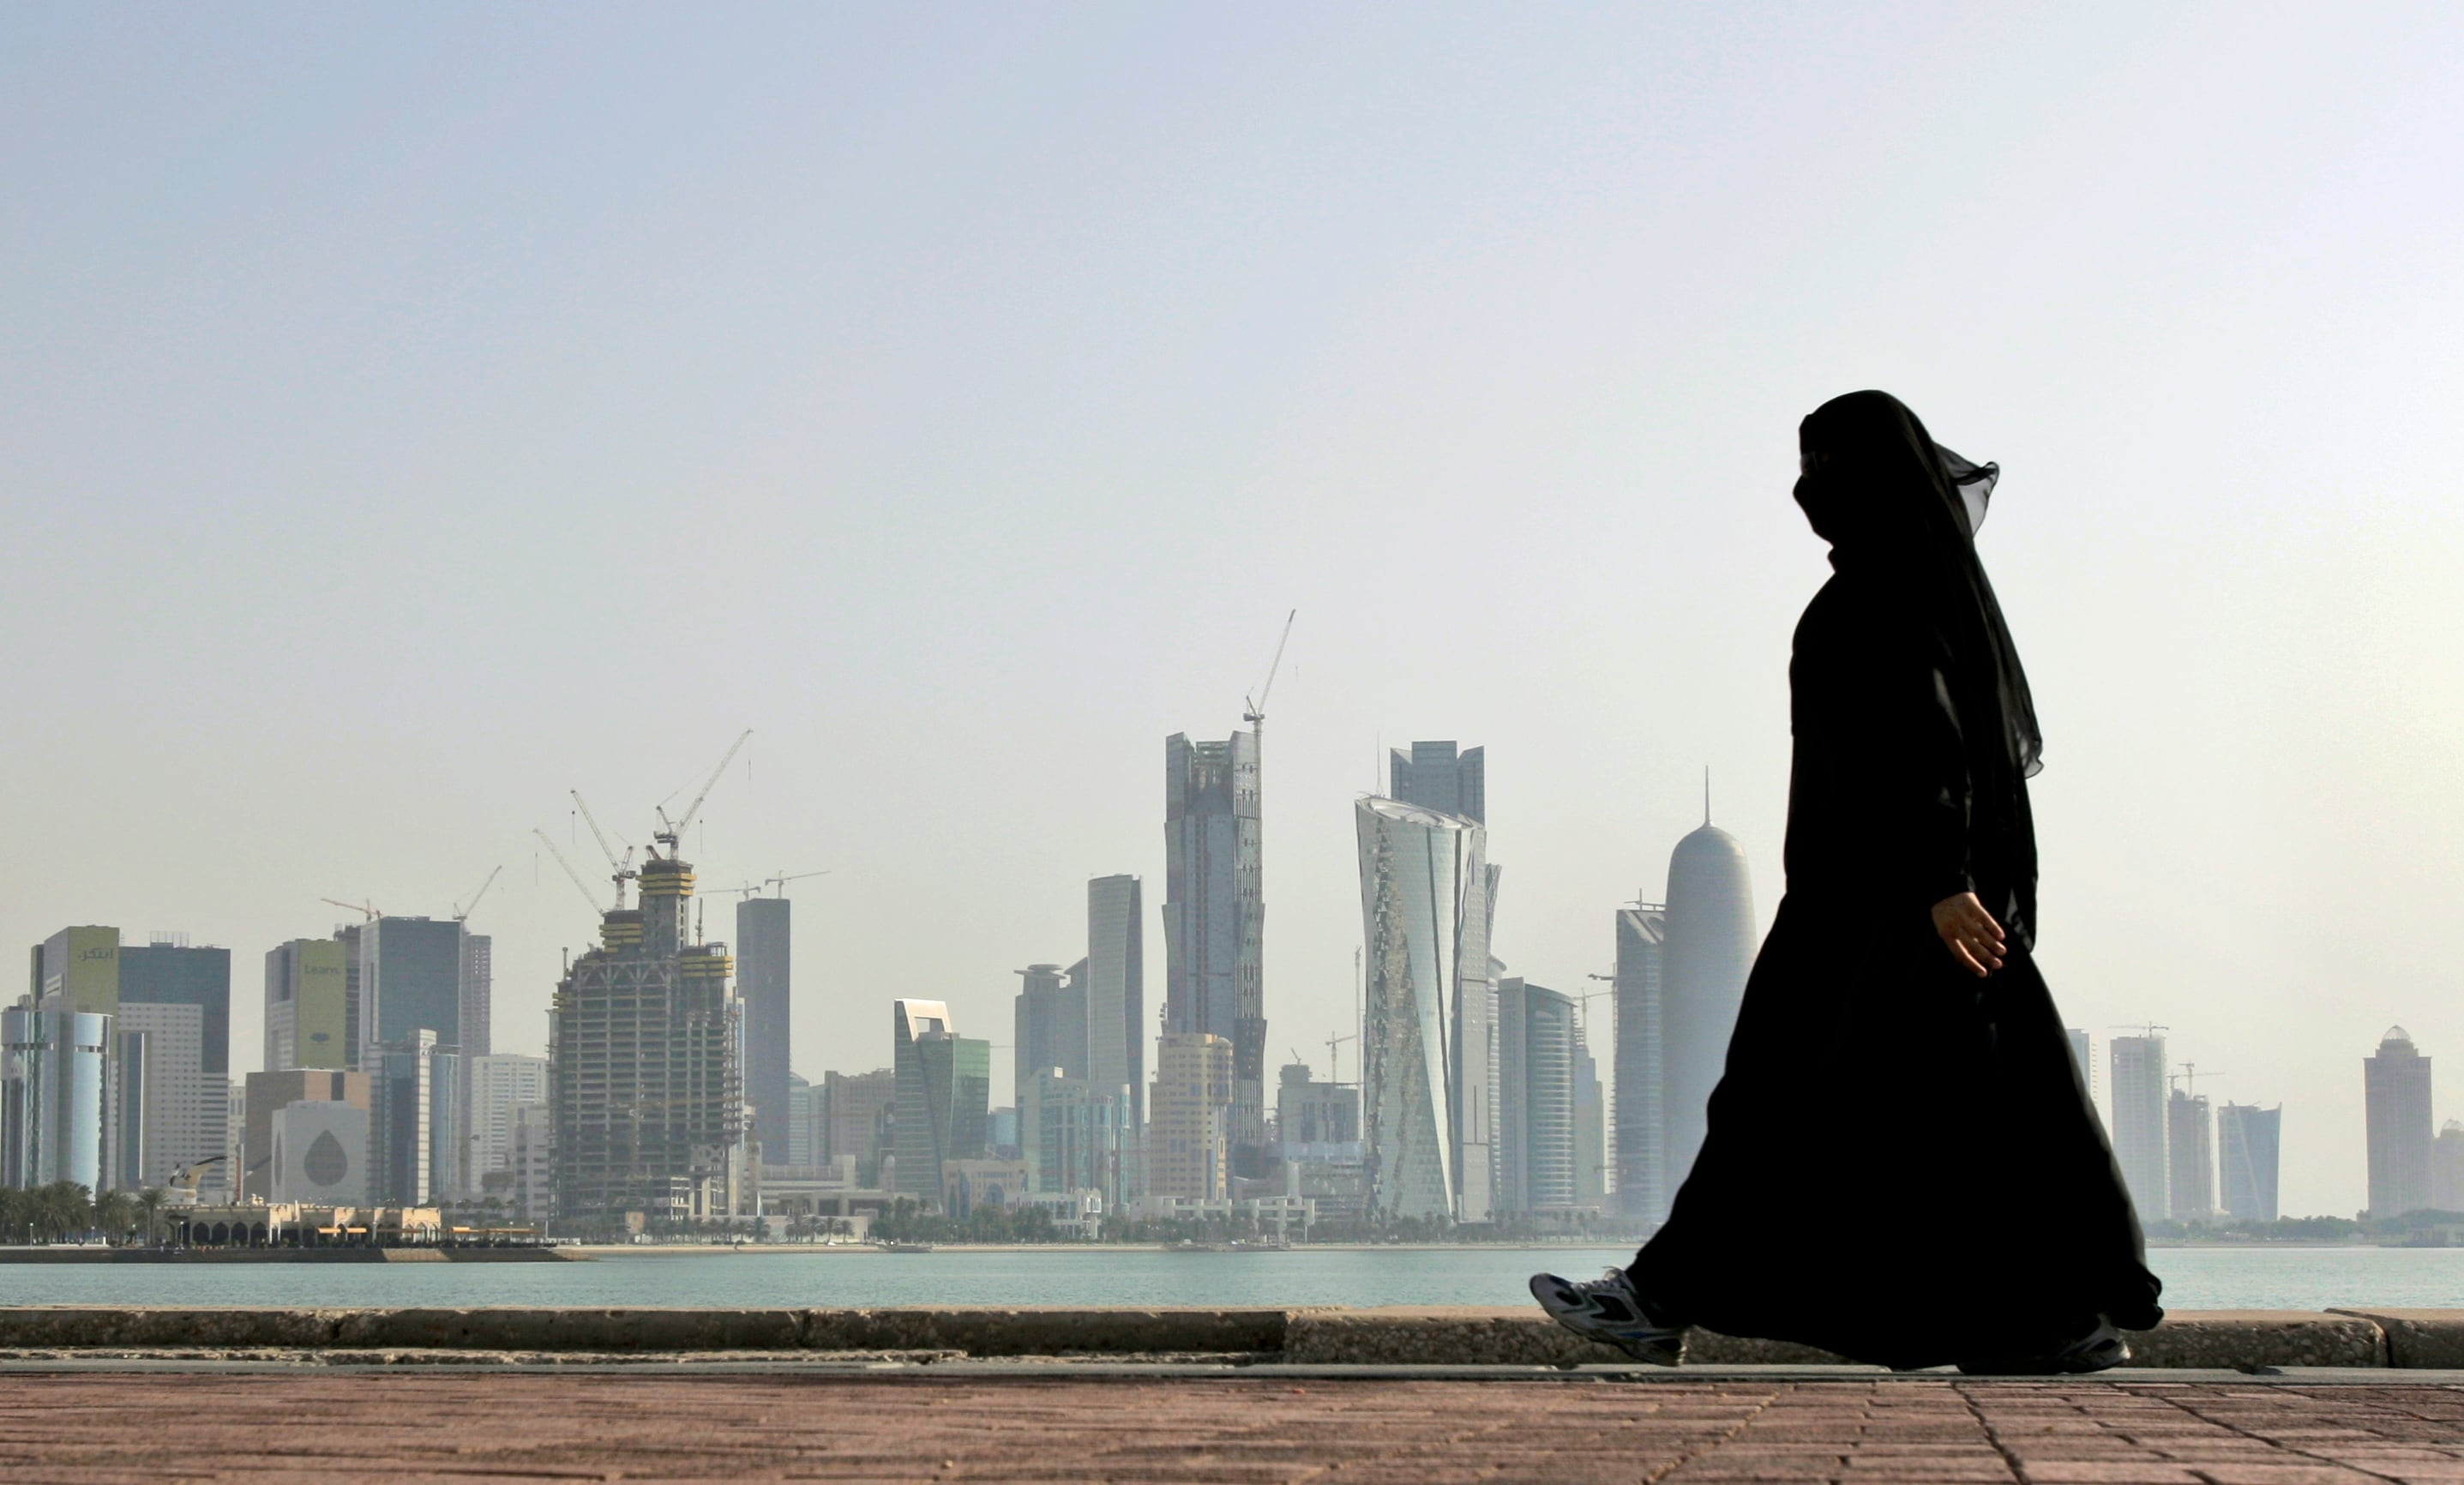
[(396, 1426)]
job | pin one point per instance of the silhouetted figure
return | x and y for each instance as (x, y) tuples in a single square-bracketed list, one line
[(1903, 1165)]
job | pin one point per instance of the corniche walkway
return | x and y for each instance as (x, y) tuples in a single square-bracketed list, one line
[(1421, 1396), (973, 1422)]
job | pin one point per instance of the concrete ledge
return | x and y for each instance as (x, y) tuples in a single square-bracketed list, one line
[(1461, 1336), (2418, 1338), (2251, 1338)]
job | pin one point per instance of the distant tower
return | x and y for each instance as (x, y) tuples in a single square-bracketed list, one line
[(645, 1078), (2189, 1155), (765, 928), (944, 1092), (2139, 1131), (1435, 776), (1423, 905), (2247, 1140), (1214, 918), (2447, 1168), (1116, 991), (1640, 1070), (1710, 949), (2396, 1084)]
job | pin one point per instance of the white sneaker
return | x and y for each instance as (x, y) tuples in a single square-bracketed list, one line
[(1607, 1309)]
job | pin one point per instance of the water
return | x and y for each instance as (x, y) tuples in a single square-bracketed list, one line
[(2195, 1279)]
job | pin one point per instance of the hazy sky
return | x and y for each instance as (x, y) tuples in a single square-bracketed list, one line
[(410, 413)]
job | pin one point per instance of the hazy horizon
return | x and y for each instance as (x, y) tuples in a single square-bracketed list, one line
[(413, 414)]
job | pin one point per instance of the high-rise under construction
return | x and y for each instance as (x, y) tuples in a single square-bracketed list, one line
[(643, 1071)]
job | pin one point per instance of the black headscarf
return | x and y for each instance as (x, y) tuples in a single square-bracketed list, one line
[(1894, 503)]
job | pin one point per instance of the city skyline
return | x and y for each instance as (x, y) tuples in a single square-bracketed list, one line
[(376, 376)]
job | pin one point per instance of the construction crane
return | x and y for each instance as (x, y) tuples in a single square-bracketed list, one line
[(1254, 712), (670, 832), (622, 869), (579, 885), (781, 881), (366, 909), (462, 913), (1334, 1069)]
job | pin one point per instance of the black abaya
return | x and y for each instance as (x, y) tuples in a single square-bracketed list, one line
[(1903, 1164)]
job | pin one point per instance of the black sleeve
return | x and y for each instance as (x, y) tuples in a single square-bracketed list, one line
[(1914, 759)]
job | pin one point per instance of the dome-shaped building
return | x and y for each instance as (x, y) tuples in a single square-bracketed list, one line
[(1710, 949)]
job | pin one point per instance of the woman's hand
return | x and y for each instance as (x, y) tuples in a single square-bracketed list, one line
[(1970, 931)]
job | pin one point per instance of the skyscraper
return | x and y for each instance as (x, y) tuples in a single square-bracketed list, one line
[(1434, 776), (1116, 993), (1642, 1188), (2084, 1057), (184, 1105), (170, 1113), (858, 1112), (2396, 1083), (644, 1077), (761, 984), (1591, 1128), (1513, 1191), (410, 981), (1549, 1133), (401, 1123), (307, 1009), (1429, 1080), (1710, 949), (474, 1021), (53, 1103), (1214, 916), (2247, 1140), (1189, 1139), (1049, 1024), (944, 1095), (61, 1063), (169, 972), (2190, 1157), (2447, 1168), (500, 1083), (2139, 1131)]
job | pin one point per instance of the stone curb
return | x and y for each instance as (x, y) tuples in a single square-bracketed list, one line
[(2425, 1338), (2241, 1339)]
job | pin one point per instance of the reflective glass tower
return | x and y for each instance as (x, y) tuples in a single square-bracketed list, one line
[(1425, 885)]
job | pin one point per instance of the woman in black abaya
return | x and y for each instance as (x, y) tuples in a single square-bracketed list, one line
[(1903, 1164)]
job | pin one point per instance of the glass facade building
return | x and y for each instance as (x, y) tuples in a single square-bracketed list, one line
[(763, 976), (944, 1097), (2247, 1143), (1430, 1090), (1642, 1188)]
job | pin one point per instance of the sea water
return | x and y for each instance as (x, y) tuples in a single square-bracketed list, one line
[(2195, 1279)]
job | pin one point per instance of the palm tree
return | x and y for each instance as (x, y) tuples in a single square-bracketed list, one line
[(61, 1208), (149, 1211), (116, 1213)]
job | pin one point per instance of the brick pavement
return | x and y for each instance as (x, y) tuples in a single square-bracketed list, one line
[(271, 1427)]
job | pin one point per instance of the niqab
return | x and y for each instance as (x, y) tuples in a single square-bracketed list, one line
[(1896, 504)]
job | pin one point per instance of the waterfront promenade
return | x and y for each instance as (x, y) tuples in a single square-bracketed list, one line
[(967, 1423)]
